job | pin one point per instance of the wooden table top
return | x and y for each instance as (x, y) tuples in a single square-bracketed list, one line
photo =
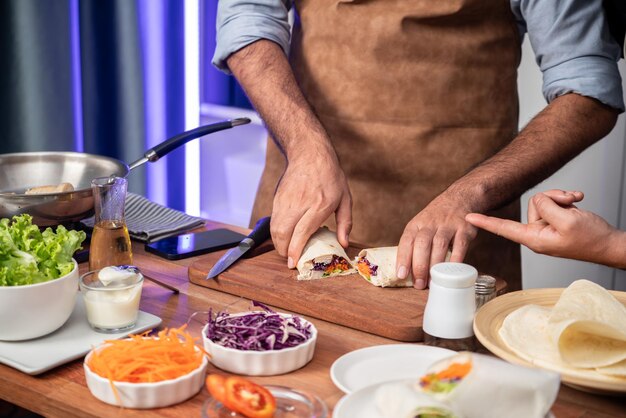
[(62, 392)]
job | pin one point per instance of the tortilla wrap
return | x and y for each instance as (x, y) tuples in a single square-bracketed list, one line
[(617, 369), (402, 400), (589, 326), (321, 248), (495, 388), (384, 258), (584, 334)]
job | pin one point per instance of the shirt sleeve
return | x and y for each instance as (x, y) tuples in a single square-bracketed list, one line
[(573, 48), (242, 22)]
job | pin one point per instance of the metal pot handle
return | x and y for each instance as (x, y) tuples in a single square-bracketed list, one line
[(153, 154)]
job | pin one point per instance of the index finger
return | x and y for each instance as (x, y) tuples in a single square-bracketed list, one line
[(506, 228)]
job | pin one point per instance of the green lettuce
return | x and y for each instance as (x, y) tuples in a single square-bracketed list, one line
[(29, 256)]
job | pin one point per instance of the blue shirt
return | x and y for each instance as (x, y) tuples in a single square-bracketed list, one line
[(571, 40)]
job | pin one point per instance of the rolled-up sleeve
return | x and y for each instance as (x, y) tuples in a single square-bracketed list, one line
[(573, 48), (242, 22)]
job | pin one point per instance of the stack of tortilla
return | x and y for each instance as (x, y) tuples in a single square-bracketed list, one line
[(584, 334)]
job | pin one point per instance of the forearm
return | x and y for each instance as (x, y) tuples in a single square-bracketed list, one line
[(615, 254), (566, 127), (265, 74)]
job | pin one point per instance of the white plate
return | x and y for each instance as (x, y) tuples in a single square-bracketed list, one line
[(358, 404), (73, 340), (383, 363), (362, 404)]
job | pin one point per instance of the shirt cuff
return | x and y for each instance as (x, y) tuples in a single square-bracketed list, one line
[(591, 76), (245, 29)]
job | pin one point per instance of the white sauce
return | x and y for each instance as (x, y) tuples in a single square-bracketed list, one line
[(117, 275)]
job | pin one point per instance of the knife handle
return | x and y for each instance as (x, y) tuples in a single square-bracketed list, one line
[(261, 231)]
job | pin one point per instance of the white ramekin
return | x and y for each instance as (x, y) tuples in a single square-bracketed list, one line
[(146, 395), (261, 363)]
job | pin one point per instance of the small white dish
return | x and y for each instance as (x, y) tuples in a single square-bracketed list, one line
[(73, 340), (261, 363), (146, 395), (383, 363)]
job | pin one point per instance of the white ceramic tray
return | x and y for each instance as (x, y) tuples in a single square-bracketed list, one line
[(73, 340)]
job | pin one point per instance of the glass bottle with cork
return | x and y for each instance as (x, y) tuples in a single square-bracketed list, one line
[(110, 241)]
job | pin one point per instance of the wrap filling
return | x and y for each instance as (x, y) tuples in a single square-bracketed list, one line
[(432, 412), (366, 268), (447, 379), (336, 265)]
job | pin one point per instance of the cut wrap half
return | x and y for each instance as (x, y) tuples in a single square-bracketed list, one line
[(481, 386), (378, 266), (323, 256)]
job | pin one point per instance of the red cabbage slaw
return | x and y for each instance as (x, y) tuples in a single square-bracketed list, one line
[(263, 330)]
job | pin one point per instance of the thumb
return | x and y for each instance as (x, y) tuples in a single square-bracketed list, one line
[(550, 211), (343, 217)]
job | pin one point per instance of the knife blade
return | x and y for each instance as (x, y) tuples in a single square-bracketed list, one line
[(259, 234)]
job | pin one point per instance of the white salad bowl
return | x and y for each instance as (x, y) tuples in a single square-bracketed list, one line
[(145, 395), (34, 310), (261, 363)]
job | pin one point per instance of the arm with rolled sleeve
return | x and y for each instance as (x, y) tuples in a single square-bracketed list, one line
[(252, 42), (242, 22), (583, 87), (573, 48)]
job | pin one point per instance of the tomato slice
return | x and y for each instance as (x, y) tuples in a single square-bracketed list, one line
[(248, 398), (216, 385)]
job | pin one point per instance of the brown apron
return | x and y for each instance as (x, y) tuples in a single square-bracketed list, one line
[(413, 94)]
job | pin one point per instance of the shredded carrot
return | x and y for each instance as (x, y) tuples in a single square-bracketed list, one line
[(363, 268), (144, 359), (455, 370)]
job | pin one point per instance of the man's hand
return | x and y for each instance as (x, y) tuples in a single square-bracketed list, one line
[(443, 225), (568, 125), (427, 237), (311, 190), (556, 227)]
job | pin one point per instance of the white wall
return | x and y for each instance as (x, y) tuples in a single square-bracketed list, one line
[(598, 172), (231, 165)]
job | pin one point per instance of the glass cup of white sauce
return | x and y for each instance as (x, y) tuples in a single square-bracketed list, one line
[(112, 297)]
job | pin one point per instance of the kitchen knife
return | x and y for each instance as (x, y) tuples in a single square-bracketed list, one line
[(259, 234)]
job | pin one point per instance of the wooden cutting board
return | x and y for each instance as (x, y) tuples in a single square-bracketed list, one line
[(351, 301)]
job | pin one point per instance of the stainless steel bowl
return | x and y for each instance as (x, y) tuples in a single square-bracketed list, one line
[(21, 171)]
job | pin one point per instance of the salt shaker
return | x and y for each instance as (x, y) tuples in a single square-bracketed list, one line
[(449, 312), (485, 289)]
